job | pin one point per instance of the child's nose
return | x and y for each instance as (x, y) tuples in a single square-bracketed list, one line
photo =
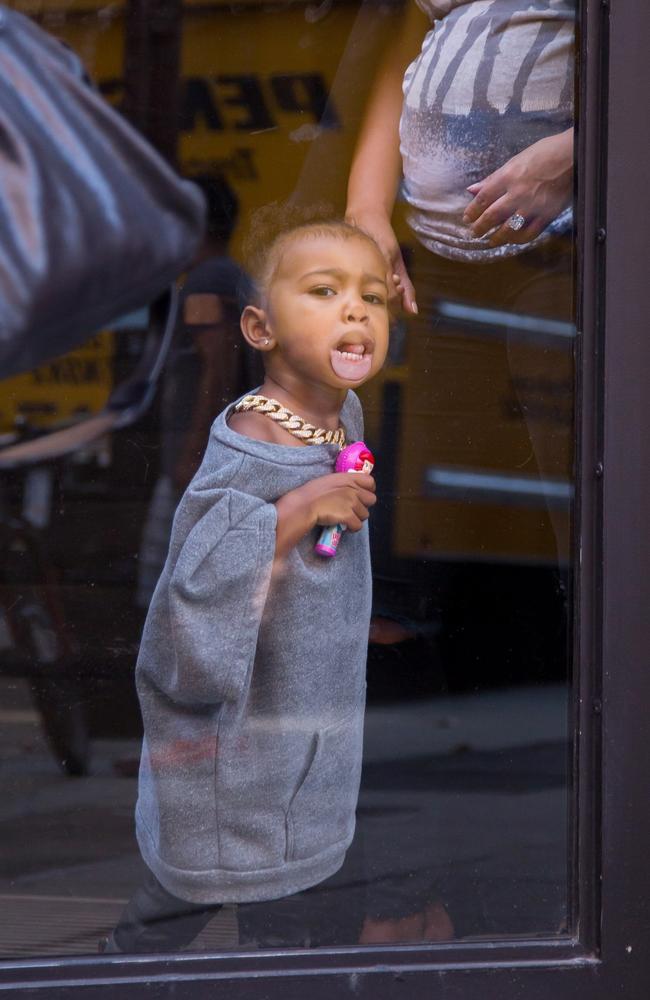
[(356, 309)]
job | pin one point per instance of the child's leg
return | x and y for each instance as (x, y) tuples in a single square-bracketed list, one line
[(329, 914), (155, 921)]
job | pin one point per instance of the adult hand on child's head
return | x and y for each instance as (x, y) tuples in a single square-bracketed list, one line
[(536, 184), (378, 225)]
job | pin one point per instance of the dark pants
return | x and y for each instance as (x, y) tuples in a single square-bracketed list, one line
[(465, 390), (155, 921), (331, 913)]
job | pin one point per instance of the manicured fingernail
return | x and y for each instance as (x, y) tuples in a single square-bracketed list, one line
[(414, 307)]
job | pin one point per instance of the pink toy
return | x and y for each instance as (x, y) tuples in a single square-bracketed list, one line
[(357, 457)]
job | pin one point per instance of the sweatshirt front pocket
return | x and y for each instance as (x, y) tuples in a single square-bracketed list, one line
[(322, 811)]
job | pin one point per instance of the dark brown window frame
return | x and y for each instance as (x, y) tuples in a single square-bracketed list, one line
[(608, 956)]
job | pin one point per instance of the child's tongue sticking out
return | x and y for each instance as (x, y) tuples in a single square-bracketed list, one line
[(351, 361)]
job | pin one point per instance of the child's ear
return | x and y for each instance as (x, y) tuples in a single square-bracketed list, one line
[(254, 326)]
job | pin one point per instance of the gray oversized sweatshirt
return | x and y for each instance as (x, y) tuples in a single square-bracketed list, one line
[(252, 683)]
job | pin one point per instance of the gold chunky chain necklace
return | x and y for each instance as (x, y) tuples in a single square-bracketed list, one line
[(290, 421)]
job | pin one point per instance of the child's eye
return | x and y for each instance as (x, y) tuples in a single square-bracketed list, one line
[(375, 300), (324, 290)]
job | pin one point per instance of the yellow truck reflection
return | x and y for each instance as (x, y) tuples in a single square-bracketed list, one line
[(265, 101)]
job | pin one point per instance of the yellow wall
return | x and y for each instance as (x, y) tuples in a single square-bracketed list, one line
[(253, 78)]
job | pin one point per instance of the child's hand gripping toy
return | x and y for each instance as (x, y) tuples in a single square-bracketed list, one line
[(357, 457)]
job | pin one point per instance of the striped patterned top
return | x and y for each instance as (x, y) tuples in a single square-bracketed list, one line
[(492, 77)]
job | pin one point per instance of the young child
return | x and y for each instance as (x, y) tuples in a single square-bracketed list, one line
[(251, 673)]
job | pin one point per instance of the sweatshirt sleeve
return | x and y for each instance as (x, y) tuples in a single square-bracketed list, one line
[(201, 633)]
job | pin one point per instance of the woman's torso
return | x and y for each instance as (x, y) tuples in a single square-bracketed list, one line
[(492, 77)]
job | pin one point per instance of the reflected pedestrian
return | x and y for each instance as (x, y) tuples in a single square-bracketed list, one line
[(210, 364)]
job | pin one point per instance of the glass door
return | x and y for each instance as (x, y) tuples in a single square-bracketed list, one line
[(495, 847)]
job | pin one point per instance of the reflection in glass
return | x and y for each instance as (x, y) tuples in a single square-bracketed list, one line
[(462, 816)]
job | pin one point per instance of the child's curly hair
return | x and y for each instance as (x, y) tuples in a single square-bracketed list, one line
[(275, 224)]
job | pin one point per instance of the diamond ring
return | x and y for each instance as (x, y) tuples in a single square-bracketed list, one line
[(516, 222)]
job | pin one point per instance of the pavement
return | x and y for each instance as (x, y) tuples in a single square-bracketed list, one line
[(463, 808)]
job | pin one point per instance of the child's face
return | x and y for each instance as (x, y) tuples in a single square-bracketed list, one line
[(327, 311)]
